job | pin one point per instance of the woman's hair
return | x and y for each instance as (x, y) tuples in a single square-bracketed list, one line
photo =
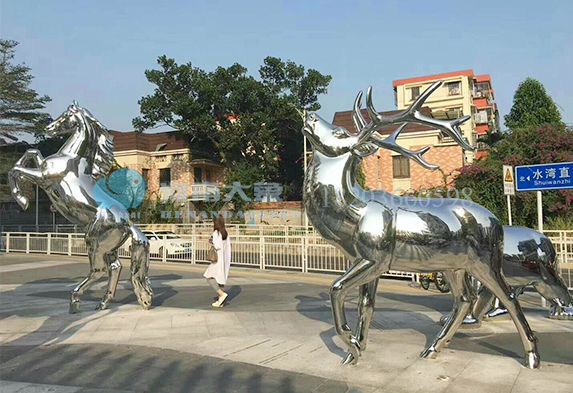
[(219, 225)]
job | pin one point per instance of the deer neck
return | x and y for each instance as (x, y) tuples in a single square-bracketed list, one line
[(332, 197)]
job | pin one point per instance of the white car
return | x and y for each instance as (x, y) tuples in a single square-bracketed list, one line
[(161, 239)]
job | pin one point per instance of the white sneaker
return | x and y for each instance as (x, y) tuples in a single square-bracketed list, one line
[(222, 298)]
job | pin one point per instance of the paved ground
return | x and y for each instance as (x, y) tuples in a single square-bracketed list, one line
[(274, 335)]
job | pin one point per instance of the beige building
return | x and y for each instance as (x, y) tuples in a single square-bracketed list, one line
[(462, 93), (165, 161)]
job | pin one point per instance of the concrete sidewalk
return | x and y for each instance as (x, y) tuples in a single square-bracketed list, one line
[(277, 325)]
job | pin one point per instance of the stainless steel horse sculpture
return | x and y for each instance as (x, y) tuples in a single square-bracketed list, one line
[(68, 177), (378, 231)]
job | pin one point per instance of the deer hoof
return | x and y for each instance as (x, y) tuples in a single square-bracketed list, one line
[(101, 306), (353, 353), (429, 353), (532, 360), (74, 306)]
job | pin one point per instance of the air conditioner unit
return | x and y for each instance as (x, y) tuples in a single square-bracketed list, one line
[(479, 94)]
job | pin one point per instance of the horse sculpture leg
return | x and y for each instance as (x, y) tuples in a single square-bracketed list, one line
[(18, 174), (98, 269), (114, 270), (140, 268), (461, 291), (361, 272), (21, 172)]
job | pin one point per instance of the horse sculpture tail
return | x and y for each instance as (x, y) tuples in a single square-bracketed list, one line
[(140, 267)]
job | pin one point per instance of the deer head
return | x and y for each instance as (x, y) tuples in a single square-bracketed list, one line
[(334, 141)]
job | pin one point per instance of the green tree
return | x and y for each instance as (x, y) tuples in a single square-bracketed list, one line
[(525, 146), (532, 106), (20, 106), (251, 125)]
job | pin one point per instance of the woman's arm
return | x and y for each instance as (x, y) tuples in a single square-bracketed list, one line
[(217, 240)]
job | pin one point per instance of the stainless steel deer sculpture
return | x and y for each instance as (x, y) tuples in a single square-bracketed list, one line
[(378, 231), (529, 259)]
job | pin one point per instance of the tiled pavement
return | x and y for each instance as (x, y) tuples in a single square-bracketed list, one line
[(275, 334)]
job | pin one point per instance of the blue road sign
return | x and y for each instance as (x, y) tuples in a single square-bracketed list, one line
[(544, 176)]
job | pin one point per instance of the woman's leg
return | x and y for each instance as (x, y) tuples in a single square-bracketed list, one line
[(215, 285)]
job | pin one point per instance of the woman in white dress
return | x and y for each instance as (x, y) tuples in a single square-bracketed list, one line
[(218, 272)]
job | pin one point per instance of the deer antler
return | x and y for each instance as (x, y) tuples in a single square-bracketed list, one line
[(411, 115)]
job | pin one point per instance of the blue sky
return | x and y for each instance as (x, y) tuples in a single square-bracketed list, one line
[(96, 51)]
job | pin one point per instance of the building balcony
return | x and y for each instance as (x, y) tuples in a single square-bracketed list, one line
[(202, 192)]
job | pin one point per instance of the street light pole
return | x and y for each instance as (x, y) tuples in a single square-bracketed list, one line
[(37, 230), (305, 165)]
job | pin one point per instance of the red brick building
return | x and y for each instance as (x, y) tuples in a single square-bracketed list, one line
[(391, 171)]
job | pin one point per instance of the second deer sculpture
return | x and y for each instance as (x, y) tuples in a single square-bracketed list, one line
[(378, 231)]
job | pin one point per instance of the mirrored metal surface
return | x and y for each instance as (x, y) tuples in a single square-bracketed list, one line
[(68, 178), (378, 231), (529, 259)]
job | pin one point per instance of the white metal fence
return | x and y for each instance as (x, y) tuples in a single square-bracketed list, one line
[(262, 246)]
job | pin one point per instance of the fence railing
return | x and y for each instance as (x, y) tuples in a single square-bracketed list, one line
[(258, 246), (262, 247)]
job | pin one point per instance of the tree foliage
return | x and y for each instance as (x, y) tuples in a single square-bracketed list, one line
[(536, 135), (526, 146), (20, 106), (532, 106), (250, 125)]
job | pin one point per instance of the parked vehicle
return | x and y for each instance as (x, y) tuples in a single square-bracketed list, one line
[(437, 278), (160, 240)]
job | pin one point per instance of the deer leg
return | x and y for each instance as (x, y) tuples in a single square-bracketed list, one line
[(367, 294), (366, 302), (114, 270), (461, 291), (361, 272), (480, 307), (495, 281)]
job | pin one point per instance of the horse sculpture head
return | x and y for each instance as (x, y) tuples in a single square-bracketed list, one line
[(69, 121), (91, 139)]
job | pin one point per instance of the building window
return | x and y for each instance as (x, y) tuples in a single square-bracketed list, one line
[(454, 88), (482, 87), (415, 92), (198, 174), (145, 175), (401, 167), (165, 177)]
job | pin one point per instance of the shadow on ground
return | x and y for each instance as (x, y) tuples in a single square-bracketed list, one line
[(553, 347), (123, 367)]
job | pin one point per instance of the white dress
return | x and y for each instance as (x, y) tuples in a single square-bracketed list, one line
[(220, 270)]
